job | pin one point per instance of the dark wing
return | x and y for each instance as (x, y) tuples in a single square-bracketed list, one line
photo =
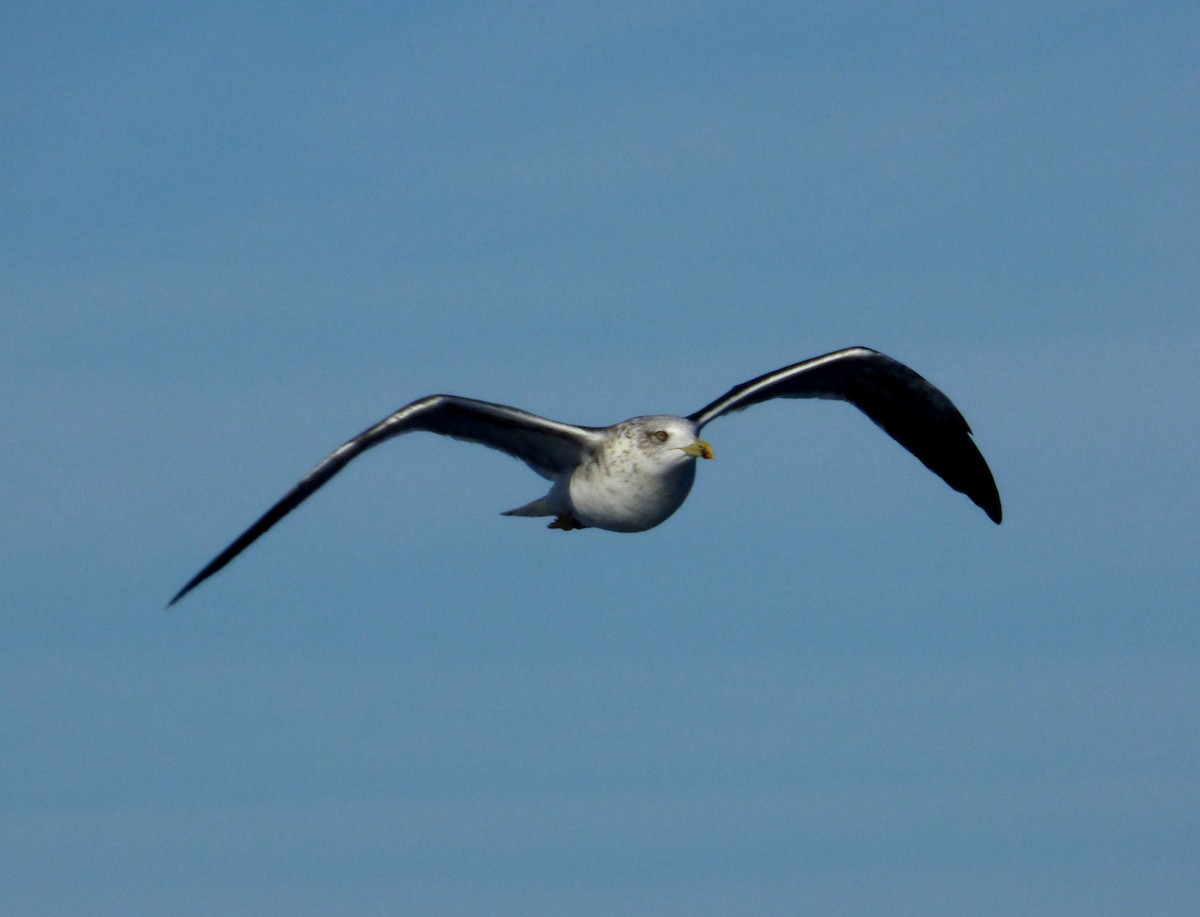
[(547, 446), (910, 410)]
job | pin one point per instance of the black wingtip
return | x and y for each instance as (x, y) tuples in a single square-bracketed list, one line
[(987, 498), (216, 564), (180, 594)]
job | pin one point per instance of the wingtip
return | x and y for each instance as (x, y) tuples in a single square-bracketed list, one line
[(182, 592), (992, 507)]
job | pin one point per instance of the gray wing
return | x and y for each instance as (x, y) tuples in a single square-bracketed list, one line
[(904, 405), (546, 446)]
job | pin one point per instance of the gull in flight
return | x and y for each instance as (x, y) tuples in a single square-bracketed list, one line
[(633, 475)]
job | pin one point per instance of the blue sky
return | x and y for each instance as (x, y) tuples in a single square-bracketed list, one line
[(234, 235)]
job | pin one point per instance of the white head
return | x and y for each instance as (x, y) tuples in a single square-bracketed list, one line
[(666, 439)]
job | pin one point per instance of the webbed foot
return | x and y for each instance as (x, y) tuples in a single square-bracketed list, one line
[(565, 522)]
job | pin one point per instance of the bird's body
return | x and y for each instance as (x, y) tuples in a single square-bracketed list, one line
[(634, 475), (638, 474)]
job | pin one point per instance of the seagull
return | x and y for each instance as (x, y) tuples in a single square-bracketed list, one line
[(635, 474)]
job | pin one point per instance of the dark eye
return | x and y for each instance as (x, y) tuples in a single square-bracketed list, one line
[(661, 436)]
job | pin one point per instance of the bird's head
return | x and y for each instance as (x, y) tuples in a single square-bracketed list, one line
[(669, 440)]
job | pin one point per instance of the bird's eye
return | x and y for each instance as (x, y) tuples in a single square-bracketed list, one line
[(661, 436)]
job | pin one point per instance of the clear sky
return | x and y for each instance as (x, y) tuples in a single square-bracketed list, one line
[(235, 234)]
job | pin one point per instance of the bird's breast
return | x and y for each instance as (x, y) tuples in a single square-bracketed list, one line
[(631, 497)]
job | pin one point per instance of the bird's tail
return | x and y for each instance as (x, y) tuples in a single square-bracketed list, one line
[(539, 507)]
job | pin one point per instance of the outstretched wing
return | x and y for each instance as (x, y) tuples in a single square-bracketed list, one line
[(547, 446), (907, 407)]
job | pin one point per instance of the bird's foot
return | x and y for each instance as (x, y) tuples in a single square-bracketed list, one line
[(566, 522)]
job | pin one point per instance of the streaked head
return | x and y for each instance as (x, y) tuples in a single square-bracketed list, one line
[(669, 439)]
